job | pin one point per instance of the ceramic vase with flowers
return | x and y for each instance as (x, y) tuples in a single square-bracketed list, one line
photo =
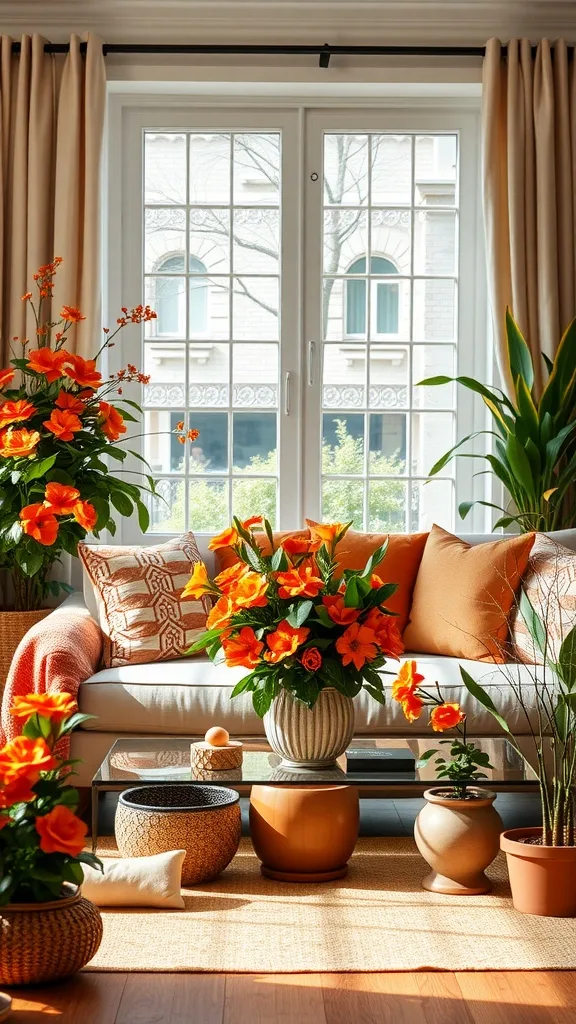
[(309, 640), (48, 930), (458, 829)]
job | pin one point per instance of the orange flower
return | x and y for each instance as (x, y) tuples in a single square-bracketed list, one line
[(375, 581), (250, 591), (61, 831), (48, 362), (25, 758), (299, 582), (18, 444), (85, 515), (60, 499), (111, 421), (412, 707), (227, 539), (284, 641), (55, 706), (311, 659), (6, 376), (198, 584), (337, 610), (357, 645), (83, 372), (4, 820), (407, 680), (220, 614), (252, 521), (299, 546), (72, 314), (446, 716), (387, 632), (67, 401), (227, 580), (63, 424), (19, 791), (243, 650), (16, 412), (39, 522), (327, 533)]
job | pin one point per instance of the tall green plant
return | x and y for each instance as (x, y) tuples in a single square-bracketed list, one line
[(534, 454)]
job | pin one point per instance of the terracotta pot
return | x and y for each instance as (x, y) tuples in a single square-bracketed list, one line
[(542, 878), (306, 738), (44, 941), (458, 839)]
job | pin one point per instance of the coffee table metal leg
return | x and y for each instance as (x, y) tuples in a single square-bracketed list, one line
[(95, 795), (304, 833)]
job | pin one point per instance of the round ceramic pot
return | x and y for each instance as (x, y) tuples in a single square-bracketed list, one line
[(203, 820), (306, 738), (458, 839), (46, 941), (542, 878)]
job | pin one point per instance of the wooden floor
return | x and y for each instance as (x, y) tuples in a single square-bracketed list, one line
[(421, 998)]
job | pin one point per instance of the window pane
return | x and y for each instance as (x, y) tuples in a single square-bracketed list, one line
[(164, 240), (254, 497), (432, 436), (432, 502), (435, 243), (433, 361), (391, 240), (256, 308), (436, 166), (209, 371), (388, 444), (209, 241), (391, 169), (209, 454), (434, 308), (254, 441), (335, 321), (343, 501), (162, 450), (390, 309), (165, 363), (256, 169), (345, 241), (167, 295), (209, 511), (345, 170), (343, 444), (209, 168), (256, 241), (255, 375), (167, 513), (344, 376), (387, 501), (164, 167), (389, 376)]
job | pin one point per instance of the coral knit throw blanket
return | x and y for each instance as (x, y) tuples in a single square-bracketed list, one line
[(55, 656)]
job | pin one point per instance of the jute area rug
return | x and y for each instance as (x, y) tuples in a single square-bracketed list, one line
[(376, 919)]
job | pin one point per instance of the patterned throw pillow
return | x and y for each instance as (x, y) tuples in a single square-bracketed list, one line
[(550, 583), (138, 592)]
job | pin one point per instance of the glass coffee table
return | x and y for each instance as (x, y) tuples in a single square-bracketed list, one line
[(303, 823)]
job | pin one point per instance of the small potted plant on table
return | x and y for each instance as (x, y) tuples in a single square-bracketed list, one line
[(458, 830)]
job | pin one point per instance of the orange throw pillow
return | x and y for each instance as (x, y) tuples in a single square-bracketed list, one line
[(464, 594), (400, 565), (225, 557)]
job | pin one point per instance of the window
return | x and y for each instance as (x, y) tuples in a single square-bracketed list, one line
[(297, 313)]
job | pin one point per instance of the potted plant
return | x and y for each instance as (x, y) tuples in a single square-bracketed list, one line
[(48, 930), (542, 859), (59, 423), (309, 641), (458, 829), (534, 452)]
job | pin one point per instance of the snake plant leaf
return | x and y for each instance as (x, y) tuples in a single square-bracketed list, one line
[(548, 494), (546, 428), (518, 352), (562, 372), (449, 454), (567, 660), (465, 506), (548, 362), (533, 456), (554, 447), (493, 395), (520, 464), (527, 408)]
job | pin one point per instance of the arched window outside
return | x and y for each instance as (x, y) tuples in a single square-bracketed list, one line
[(170, 303), (386, 299)]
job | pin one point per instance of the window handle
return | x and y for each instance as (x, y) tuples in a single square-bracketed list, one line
[(311, 359), (287, 393)]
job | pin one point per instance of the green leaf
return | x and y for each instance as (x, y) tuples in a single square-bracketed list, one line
[(254, 558), (375, 558), (279, 562), (298, 616), (31, 558), (378, 695), (520, 464), (518, 352), (561, 718), (483, 698), (527, 408), (567, 659), (122, 503), (39, 468), (245, 684), (532, 621), (425, 757), (262, 700), (143, 516), (439, 465)]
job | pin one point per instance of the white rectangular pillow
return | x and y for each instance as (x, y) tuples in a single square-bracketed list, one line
[(136, 881)]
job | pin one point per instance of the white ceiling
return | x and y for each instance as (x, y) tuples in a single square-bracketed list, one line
[(423, 22)]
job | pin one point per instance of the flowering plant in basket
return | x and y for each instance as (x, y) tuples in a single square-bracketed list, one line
[(41, 837), (291, 622), (58, 424)]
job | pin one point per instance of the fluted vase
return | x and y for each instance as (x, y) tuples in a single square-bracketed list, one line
[(310, 738)]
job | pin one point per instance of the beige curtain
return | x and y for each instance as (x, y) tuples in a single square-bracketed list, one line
[(529, 182), (51, 128)]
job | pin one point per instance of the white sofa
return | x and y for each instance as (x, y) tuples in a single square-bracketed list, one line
[(185, 697)]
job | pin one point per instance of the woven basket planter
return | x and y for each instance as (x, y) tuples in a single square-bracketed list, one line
[(13, 628), (41, 942), (203, 820)]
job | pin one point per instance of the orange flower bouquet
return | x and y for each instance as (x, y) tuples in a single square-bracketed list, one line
[(41, 838), (57, 424), (291, 622)]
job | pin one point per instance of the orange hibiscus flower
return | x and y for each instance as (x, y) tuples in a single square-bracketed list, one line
[(227, 539), (219, 616), (25, 758), (227, 580), (198, 584), (407, 680), (387, 633), (243, 650), (19, 791), (85, 515), (61, 831), (60, 499), (284, 641), (337, 610), (55, 706), (19, 444), (299, 546), (16, 412), (327, 533), (111, 421), (412, 706), (70, 402), (250, 591), (6, 377), (48, 362), (39, 522), (253, 521), (300, 582), (83, 372), (357, 645), (63, 424), (72, 314), (446, 716)]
